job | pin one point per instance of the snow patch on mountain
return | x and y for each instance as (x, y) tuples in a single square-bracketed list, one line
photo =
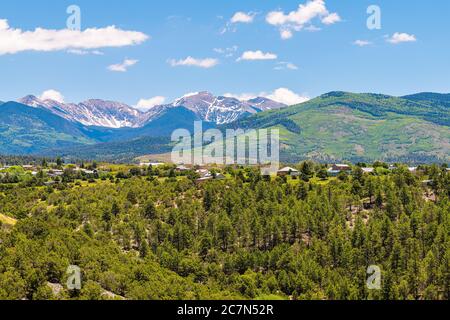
[(110, 114)]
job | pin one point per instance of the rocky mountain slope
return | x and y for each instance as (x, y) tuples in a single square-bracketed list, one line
[(110, 114)]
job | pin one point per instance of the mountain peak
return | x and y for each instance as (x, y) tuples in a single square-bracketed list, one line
[(30, 100), (111, 114), (93, 112)]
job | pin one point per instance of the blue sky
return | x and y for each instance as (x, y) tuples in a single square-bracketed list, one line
[(308, 64)]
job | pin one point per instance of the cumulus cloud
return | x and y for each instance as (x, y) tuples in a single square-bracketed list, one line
[(123, 67), (257, 55), (238, 17), (193, 62), (332, 18), (52, 95), (285, 65), (16, 40), (242, 17), (362, 43), (286, 96), (282, 95), (147, 104), (302, 18), (398, 37)]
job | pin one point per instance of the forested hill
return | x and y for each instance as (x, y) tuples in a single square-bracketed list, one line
[(155, 234), (377, 105), (430, 98), (361, 127)]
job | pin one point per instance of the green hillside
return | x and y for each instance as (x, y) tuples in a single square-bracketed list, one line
[(433, 99), (360, 127), (118, 151), (25, 130)]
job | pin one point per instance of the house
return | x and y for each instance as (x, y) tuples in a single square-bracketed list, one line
[(90, 171), (288, 171), (412, 169), (55, 173), (341, 167), (151, 164), (182, 168), (336, 169), (28, 167), (219, 176), (333, 173), (392, 167), (204, 179), (368, 170), (203, 173)]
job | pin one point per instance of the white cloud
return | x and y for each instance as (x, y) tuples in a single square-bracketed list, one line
[(301, 18), (193, 62), (282, 95), (238, 17), (401, 37), (227, 52), (147, 104), (242, 17), (16, 40), (286, 34), (285, 65), (52, 95), (85, 52), (257, 55), (362, 43), (287, 97), (242, 96), (312, 28), (332, 18), (123, 67)]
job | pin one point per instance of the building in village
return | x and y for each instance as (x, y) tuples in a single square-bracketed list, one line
[(288, 171)]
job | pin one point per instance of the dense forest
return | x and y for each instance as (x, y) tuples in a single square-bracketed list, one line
[(157, 234)]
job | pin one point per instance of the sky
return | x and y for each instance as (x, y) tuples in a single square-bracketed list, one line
[(145, 53)]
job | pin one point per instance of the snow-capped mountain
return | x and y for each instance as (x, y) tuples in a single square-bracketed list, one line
[(223, 110), (93, 112), (110, 114)]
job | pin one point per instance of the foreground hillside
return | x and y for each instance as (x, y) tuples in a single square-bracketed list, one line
[(152, 234), (361, 127)]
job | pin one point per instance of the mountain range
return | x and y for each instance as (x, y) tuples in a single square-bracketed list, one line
[(110, 114), (333, 127)]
